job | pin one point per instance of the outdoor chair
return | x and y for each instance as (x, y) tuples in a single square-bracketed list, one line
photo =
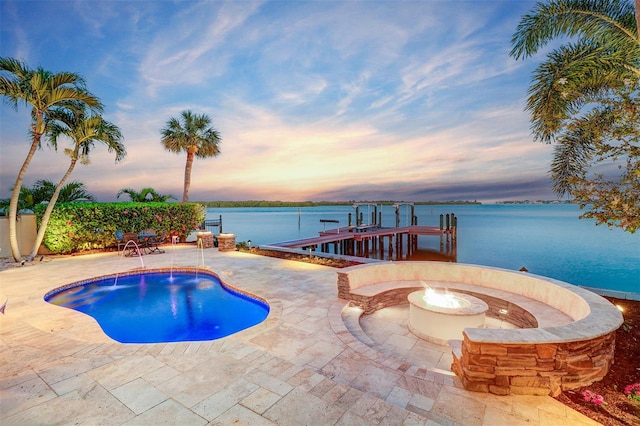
[(132, 249), (146, 239), (120, 240), (153, 243)]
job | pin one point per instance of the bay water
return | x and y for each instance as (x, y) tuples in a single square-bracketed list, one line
[(547, 239)]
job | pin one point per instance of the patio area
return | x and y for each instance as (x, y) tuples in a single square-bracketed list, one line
[(301, 366)]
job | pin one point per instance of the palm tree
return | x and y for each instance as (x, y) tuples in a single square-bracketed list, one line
[(42, 90), (584, 96), (71, 192), (75, 192), (26, 201), (606, 54), (194, 136), (146, 195), (42, 191), (84, 130)]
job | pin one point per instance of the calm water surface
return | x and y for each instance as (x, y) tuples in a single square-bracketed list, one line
[(158, 307), (548, 240)]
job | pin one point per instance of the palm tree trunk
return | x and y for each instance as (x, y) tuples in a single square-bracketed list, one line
[(187, 175), (15, 196), (47, 212), (638, 18)]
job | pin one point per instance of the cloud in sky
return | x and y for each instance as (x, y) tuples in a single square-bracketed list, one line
[(314, 100)]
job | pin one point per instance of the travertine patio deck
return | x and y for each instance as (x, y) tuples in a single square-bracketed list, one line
[(57, 367)]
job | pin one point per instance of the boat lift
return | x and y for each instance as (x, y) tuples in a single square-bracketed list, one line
[(372, 215)]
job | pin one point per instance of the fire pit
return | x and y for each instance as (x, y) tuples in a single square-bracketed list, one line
[(440, 316)]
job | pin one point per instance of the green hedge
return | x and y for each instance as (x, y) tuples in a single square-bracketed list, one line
[(86, 226)]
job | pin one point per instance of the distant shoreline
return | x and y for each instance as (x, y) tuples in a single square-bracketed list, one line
[(267, 203)]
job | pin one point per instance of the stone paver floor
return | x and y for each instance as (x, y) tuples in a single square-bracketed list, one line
[(302, 366)]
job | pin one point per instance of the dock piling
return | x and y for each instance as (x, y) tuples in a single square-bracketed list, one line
[(368, 240)]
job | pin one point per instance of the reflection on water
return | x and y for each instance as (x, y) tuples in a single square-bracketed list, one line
[(428, 254)]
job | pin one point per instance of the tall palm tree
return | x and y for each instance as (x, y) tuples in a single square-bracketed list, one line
[(145, 195), (41, 90), (84, 131), (193, 135), (584, 96)]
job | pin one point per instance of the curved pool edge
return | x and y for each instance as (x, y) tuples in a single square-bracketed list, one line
[(152, 271), (81, 327)]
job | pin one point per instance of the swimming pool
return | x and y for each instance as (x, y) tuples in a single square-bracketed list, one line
[(161, 306)]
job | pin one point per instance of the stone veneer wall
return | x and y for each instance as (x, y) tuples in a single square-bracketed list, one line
[(226, 242), (370, 304), (204, 239), (532, 369), (344, 289), (515, 315), (542, 365)]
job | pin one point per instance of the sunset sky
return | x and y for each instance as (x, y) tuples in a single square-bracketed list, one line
[(314, 100)]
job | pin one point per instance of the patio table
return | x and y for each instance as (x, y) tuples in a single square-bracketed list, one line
[(150, 242)]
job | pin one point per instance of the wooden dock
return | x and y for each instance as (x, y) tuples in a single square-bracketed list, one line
[(394, 243)]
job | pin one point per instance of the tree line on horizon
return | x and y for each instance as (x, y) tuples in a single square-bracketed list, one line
[(277, 203), (74, 192)]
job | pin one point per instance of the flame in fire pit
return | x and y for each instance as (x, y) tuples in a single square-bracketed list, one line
[(443, 300)]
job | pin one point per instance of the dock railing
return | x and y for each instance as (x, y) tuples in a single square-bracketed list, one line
[(325, 221), (209, 224)]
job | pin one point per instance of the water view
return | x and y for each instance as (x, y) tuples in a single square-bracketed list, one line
[(548, 240)]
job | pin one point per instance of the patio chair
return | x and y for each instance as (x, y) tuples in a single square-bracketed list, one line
[(153, 243), (146, 239), (131, 249), (120, 240)]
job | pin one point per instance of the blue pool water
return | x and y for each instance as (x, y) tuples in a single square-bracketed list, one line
[(155, 307)]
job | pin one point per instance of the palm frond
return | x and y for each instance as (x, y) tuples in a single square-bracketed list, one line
[(572, 76), (612, 21), (571, 158)]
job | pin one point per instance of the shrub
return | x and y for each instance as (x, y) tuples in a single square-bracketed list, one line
[(85, 226)]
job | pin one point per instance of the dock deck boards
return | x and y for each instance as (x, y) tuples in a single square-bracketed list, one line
[(346, 233)]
